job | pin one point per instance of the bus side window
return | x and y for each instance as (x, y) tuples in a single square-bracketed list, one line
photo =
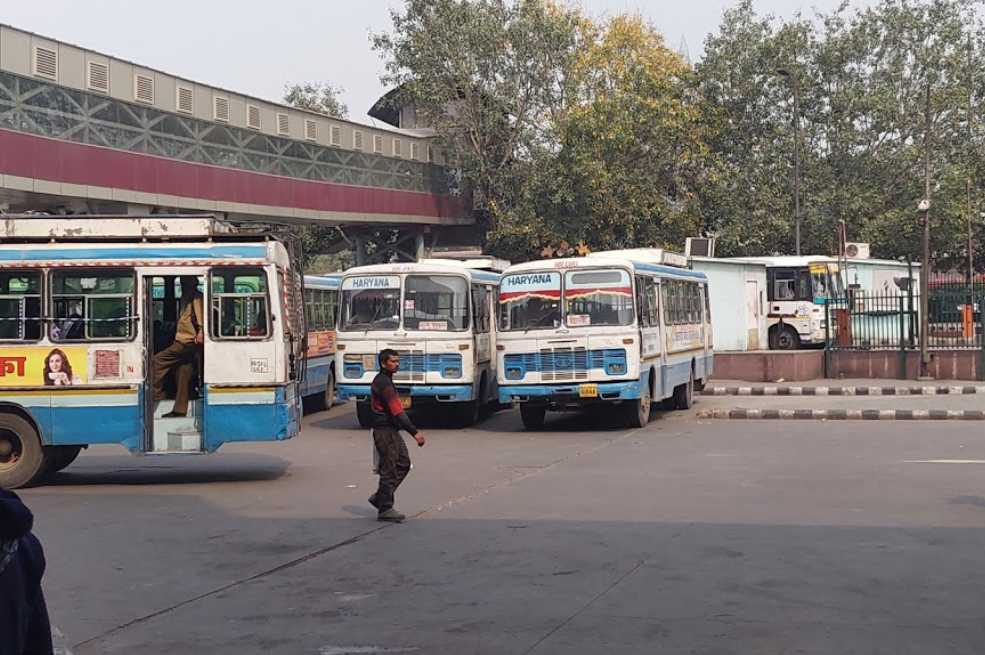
[(96, 305), (240, 308), (20, 306)]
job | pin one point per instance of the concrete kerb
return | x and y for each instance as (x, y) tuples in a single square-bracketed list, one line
[(759, 390), (845, 414)]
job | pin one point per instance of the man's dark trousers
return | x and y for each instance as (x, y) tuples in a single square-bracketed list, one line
[(394, 464)]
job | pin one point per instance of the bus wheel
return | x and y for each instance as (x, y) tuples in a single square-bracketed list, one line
[(22, 459), (684, 394), (328, 399), (786, 338), (639, 413), (533, 416), (364, 414), (468, 413), (60, 457)]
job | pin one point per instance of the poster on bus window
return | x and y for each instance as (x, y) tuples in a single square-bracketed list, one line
[(43, 366), (321, 343)]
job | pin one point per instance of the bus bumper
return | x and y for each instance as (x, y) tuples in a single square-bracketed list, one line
[(442, 393), (568, 394)]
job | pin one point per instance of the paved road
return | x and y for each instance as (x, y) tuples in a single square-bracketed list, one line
[(689, 536)]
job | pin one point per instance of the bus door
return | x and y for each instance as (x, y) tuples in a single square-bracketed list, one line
[(648, 308), (170, 427), (246, 358)]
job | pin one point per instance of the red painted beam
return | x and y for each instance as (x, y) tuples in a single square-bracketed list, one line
[(27, 155)]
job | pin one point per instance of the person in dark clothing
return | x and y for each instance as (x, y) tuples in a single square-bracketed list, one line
[(24, 626), (388, 419)]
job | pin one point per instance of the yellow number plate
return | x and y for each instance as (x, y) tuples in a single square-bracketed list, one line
[(405, 402), (588, 391)]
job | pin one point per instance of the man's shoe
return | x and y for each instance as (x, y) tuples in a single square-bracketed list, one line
[(372, 501), (172, 415), (391, 515)]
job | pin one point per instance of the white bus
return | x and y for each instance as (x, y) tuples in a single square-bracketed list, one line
[(438, 314), (797, 289), (624, 327), (87, 301)]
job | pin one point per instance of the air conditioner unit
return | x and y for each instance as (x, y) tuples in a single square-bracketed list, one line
[(699, 247), (857, 250)]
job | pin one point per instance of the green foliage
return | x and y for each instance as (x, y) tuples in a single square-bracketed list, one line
[(569, 129), (317, 96)]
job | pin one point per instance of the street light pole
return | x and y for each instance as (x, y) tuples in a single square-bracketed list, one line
[(795, 86), (925, 255)]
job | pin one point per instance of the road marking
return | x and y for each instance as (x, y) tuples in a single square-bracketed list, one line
[(944, 461), (360, 650)]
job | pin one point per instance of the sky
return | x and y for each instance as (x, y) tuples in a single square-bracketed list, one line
[(255, 47)]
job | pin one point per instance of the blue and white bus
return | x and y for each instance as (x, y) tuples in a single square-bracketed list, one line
[(321, 304), (624, 327), (438, 314), (86, 303)]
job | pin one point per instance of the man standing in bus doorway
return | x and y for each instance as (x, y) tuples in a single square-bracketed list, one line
[(389, 418), (183, 353)]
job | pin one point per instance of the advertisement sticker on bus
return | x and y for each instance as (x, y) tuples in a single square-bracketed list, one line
[(43, 366), (546, 285)]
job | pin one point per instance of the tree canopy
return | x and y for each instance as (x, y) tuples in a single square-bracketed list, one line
[(582, 131)]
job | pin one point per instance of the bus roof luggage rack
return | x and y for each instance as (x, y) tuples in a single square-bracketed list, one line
[(480, 262), (158, 227), (648, 255)]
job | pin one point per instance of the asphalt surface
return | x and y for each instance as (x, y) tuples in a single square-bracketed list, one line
[(688, 536)]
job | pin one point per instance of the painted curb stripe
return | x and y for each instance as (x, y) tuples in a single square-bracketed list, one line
[(844, 391), (844, 414)]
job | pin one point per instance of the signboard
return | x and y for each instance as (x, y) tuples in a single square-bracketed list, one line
[(40, 366), (366, 282), (524, 285)]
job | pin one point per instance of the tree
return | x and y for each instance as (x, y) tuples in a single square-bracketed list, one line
[(488, 75), (630, 149), (317, 96)]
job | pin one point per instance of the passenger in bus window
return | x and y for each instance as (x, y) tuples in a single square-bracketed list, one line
[(182, 355)]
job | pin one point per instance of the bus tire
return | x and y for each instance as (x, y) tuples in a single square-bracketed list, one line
[(364, 415), (468, 413), (328, 398), (684, 394), (533, 416), (784, 337), (60, 457), (639, 412), (22, 459)]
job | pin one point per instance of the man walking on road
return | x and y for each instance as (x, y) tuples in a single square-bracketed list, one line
[(388, 419)]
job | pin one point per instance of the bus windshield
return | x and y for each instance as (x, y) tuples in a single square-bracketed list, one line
[(529, 301), (598, 298), (371, 302), (436, 302)]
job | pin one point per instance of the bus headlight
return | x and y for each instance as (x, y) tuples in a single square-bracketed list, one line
[(514, 374), (452, 372), (616, 369)]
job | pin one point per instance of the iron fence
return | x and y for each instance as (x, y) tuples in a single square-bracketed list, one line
[(890, 320)]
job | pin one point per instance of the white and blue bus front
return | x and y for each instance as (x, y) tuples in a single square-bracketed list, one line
[(425, 317), (568, 338)]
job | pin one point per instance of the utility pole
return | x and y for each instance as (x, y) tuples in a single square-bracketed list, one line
[(925, 259), (795, 86)]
